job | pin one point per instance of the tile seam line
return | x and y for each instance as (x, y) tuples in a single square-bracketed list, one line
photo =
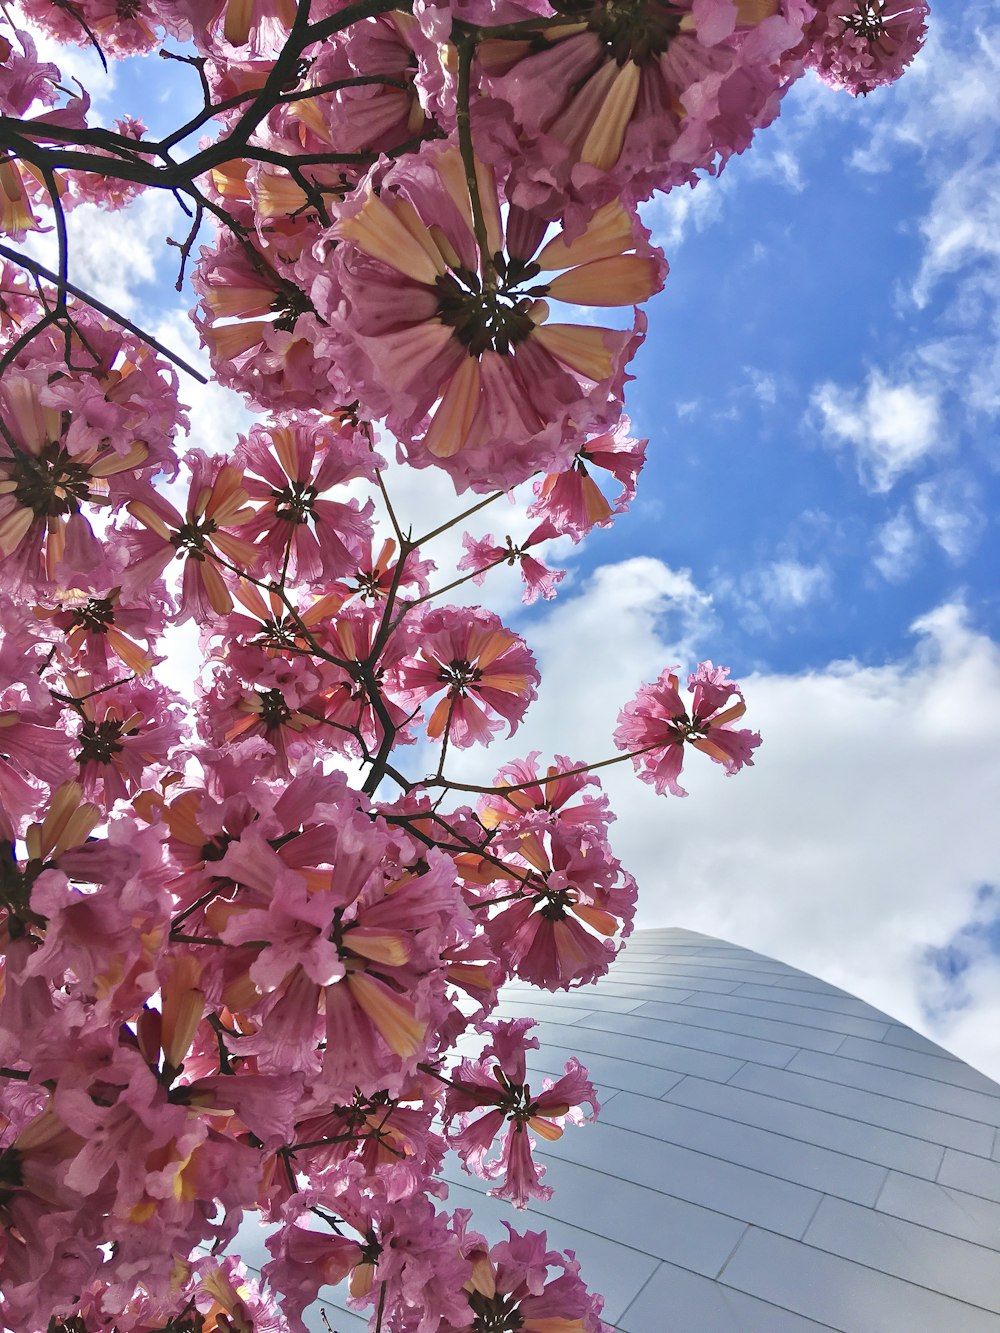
[(656, 1041), (993, 1251), (641, 1064), (819, 1110), (634, 1249), (819, 1078), (931, 1078), (890, 1069), (871, 1124), (776, 1133), (783, 1022), (677, 1198), (860, 1263), (697, 1152)]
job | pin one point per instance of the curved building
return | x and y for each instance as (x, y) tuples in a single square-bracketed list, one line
[(772, 1155)]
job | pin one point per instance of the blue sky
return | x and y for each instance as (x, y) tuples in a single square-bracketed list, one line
[(821, 389)]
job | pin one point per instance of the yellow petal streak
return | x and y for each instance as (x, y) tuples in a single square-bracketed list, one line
[(608, 233), (377, 231), (450, 426), (583, 349), (402, 1031), (603, 144), (619, 280), (379, 946)]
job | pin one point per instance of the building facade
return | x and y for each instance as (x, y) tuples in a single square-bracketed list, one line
[(772, 1155)]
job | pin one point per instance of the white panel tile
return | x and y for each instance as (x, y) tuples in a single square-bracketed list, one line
[(668, 976), (621, 974), (699, 1039), (943, 1068), (737, 1191), (635, 1218), (769, 1027), (927, 1258), (553, 1010), (846, 1295), (813, 986), (741, 958), (606, 1070), (898, 1035), (819, 996), (738, 972), (942, 1208), (895, 1083), (788, 1159), (872, 1143), (871, 1107), (810, 1015), (974, 1174), (640, 993), (676, 1301), (661, 1056), (584, 998)]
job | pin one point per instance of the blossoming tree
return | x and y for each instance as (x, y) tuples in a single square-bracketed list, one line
[(233, 979)]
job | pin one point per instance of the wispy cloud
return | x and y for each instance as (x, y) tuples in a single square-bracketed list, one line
[(892, 427), (948, 508), (897, 545)]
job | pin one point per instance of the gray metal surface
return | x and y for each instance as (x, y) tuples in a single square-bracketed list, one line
[(772, 1156)]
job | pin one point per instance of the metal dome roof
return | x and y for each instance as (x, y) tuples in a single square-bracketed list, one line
[(772, 1154)]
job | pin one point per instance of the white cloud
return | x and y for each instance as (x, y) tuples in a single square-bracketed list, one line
[(217, 414), (860, 838), (112, 255), (891, 427), (962, 227), (896, 547), (947, 508), (948, 96), (763, 385), (790, 583), (770, 594), (946, 113), (674, 216)]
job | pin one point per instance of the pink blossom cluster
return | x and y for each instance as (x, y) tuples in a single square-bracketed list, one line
[(245, 920)]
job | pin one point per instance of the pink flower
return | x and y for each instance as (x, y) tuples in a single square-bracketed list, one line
[(545, 799), (572, 502), (862, 44), (498, 1080), (483, 554), (455, 347), (261, 335), (288, 471), (376, 575), (510, 1281), (484, 669), (571, 898), (203, 536), (355, 714), (256, 693), (123, 733), (303, 1261), (656, 725), (627, 102), (45, 482)]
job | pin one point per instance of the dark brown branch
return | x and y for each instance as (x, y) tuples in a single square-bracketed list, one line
[(40, 271)]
